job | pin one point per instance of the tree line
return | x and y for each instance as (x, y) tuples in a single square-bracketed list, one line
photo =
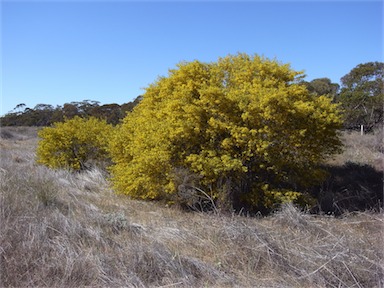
[(360, 97), (46, 115)]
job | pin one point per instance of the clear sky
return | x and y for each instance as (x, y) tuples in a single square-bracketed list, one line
[(56, 52)]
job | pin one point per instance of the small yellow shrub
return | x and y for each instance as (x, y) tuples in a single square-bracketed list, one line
[(73, 143)]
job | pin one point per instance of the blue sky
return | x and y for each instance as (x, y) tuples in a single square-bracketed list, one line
[(62, 51)]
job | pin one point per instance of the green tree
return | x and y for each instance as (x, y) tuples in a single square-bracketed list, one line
[(244, 125), (323, 86), (362, 96), (70, 110), (75, 143), (112, 113), (128, 107)]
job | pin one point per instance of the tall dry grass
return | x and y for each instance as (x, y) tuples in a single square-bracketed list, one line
[(60, 229), (367, 149)]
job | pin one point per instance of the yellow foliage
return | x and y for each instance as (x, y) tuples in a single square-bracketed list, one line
[(242, 115), (72, 143), (272, 198)]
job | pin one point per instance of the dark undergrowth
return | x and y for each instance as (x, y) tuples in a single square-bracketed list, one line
[(349, 188)]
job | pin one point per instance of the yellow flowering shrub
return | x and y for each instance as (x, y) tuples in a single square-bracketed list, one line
[(245, 121), (74, 143)]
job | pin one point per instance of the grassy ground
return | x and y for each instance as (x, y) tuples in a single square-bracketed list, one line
[(367, 149), (69, 230)]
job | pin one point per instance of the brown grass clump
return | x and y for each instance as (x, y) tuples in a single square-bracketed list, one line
[(60, 229)]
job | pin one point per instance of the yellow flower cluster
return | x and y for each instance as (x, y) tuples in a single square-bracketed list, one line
[(238, 117), (73, 143)]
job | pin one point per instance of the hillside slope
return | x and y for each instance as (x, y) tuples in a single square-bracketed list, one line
[(70, 230)]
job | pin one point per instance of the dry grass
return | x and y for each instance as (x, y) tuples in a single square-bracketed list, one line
[(18, 133), (362, 149), (69, 230)]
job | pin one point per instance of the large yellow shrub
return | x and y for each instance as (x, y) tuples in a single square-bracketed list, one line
[(240, 124), (74, 143)]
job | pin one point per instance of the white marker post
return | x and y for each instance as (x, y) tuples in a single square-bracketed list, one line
[(361, 129)]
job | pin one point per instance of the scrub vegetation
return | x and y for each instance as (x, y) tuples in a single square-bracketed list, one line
[(64, 229), (244, 126), (288, 193)]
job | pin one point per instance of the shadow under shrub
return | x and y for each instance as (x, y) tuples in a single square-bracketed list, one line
[(348, 188)]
